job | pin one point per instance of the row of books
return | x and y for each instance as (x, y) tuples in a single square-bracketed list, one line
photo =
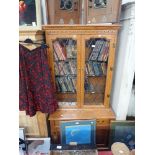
[(65, 68), (62, 52), (66, 84), (88, 86), (100, 51), (95, 68)]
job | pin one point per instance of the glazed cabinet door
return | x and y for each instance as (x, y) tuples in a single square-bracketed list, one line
[(96, 71), (64, 60)]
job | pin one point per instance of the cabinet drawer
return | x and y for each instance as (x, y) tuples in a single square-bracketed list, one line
[(101, 122)]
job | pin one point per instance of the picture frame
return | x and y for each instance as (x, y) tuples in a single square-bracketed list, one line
[(35, 25), (72, 131), (39, 146), (122, 131)]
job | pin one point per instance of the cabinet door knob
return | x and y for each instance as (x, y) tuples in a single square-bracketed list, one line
[(111, 68), (108, 95)]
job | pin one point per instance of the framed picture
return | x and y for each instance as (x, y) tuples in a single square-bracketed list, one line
[(29, 15), (123, 131), (39, 146), (78, 132)]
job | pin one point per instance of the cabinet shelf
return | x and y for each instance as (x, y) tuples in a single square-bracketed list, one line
[(95, 76), (74, 75), (95, 61), (70, 75), (68, 92), (67, 60), (93, 92)]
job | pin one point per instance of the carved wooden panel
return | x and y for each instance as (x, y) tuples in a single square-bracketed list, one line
[(103, 11), (87, 32), (64, 11)]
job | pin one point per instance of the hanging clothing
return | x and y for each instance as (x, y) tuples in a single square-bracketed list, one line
[(36, 91)]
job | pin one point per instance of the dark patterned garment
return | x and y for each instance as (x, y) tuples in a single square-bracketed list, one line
[(36, 91)]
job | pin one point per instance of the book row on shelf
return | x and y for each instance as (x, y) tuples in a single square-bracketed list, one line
[(69, 68), (96, 68), (65, 68), (66, 84), (63, 52), (89, 86), (99, 50)]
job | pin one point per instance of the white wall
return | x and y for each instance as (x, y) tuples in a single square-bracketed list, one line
[(127, 1), (124, 67), (131, 108)]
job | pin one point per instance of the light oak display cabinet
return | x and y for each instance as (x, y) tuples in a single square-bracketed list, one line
[(81, 60)]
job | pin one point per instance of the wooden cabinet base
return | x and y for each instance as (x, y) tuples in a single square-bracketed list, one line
[(102, 117)]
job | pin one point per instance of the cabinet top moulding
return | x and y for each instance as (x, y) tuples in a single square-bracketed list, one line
[(82, 27)]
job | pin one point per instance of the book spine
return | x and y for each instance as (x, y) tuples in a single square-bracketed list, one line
[(56, 49), (64, 55), (91, 69), (65, 80), (56, 68), (86, 69), (96, 69), (61, 71), (59, 50), (71, 86), (72, 65), (74, 83), (104, 68), (106, 52), (86, 85), (96, 50), (100, 69), (55, 56), (62, 84), (100, 56), (58, 85)]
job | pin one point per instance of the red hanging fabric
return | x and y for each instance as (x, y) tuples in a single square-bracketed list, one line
[(36, 91)]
